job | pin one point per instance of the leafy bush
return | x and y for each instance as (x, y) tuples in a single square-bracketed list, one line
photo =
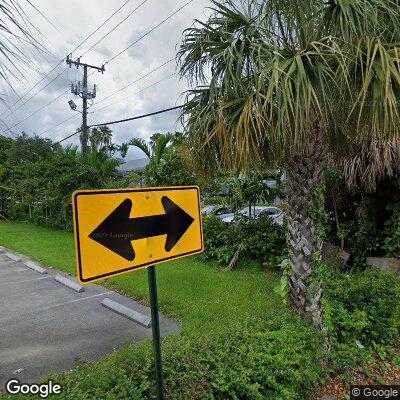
[(260, 239), (363, 307), (363, 223), (364, 238), (274, 358), (392, 241), (271, 357), (40, 191)]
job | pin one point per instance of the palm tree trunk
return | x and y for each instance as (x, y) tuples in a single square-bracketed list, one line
[(305, 171)]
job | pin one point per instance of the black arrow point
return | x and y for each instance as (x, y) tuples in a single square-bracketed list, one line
[(177, 222), (118, 230), (113, 232)]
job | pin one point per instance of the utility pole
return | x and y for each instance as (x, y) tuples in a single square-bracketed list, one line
[(85, 94)]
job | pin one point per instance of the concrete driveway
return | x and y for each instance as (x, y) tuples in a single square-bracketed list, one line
[(45, 326)]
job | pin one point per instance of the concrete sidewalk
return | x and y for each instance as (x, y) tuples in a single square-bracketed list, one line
[(46, 326)]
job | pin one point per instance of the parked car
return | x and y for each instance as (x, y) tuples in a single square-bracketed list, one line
[(219, 211), (207, 210), (273, 212)]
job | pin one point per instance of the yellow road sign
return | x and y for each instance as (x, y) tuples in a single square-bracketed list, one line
[(117, 231)]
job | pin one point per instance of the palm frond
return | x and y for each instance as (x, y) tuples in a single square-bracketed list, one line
[(141, 144)]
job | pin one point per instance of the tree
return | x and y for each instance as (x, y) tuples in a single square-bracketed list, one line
[(100, 137), (167, 166), (28, 148), (292, 83)]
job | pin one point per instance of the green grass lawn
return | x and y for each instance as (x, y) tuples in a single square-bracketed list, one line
[(238, 340), (204, 297), (237, 337)]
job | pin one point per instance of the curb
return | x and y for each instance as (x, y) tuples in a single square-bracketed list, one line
[(127, 312), (13, 257), (35, 267), (70, 284)]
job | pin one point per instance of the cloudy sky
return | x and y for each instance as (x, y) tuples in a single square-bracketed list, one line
[(77, 19)]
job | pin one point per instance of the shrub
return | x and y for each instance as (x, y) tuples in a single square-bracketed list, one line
[(392, 241), (363, 307), (273, 358), (260, 239), (269, 357)]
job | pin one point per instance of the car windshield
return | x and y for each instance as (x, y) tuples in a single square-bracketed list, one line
[(271, 211)]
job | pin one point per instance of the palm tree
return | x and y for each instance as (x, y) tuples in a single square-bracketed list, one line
[(154, 150), (100, 137), (292, 83)]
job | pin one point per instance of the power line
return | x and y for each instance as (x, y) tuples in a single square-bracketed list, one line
[(96, 30), (146, 34), (138, 117), (57, 126), (139, 91), (43, 15), (150, 31), (35, 94), (115, 27), (60, 62), (7, 128), (39, 109), (33, 87), (124, 120), (135, 81), (70, 136)]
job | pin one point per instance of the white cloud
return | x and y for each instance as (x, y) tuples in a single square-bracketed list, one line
[(76, 19)]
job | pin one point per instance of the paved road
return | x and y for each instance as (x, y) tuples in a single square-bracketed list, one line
[(45, 326)]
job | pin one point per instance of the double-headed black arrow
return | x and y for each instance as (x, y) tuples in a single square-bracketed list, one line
[(118, 230)]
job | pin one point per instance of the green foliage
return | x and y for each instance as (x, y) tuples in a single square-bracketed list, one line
[(38, 181), (283, 288), (364, 307), (237, 340), (258, 239), (276, 82), (167, 166), (273, 357), (319, 214), (25, 148), (249, 190), (392, 231), (363, 234), (212, 200), (100, 137), (364, 224)]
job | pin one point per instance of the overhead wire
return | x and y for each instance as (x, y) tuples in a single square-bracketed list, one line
[(115, 27), (124, 120), (39, 109), (133, 94), (134, 81), (101, 25), (134, 43), (60, 62), (149, 31), (33, 87), (59, 125), (63, 122), (35, 94), (119, 121), (44, 16)]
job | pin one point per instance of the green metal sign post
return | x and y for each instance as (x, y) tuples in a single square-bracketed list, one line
[(155, 326)]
